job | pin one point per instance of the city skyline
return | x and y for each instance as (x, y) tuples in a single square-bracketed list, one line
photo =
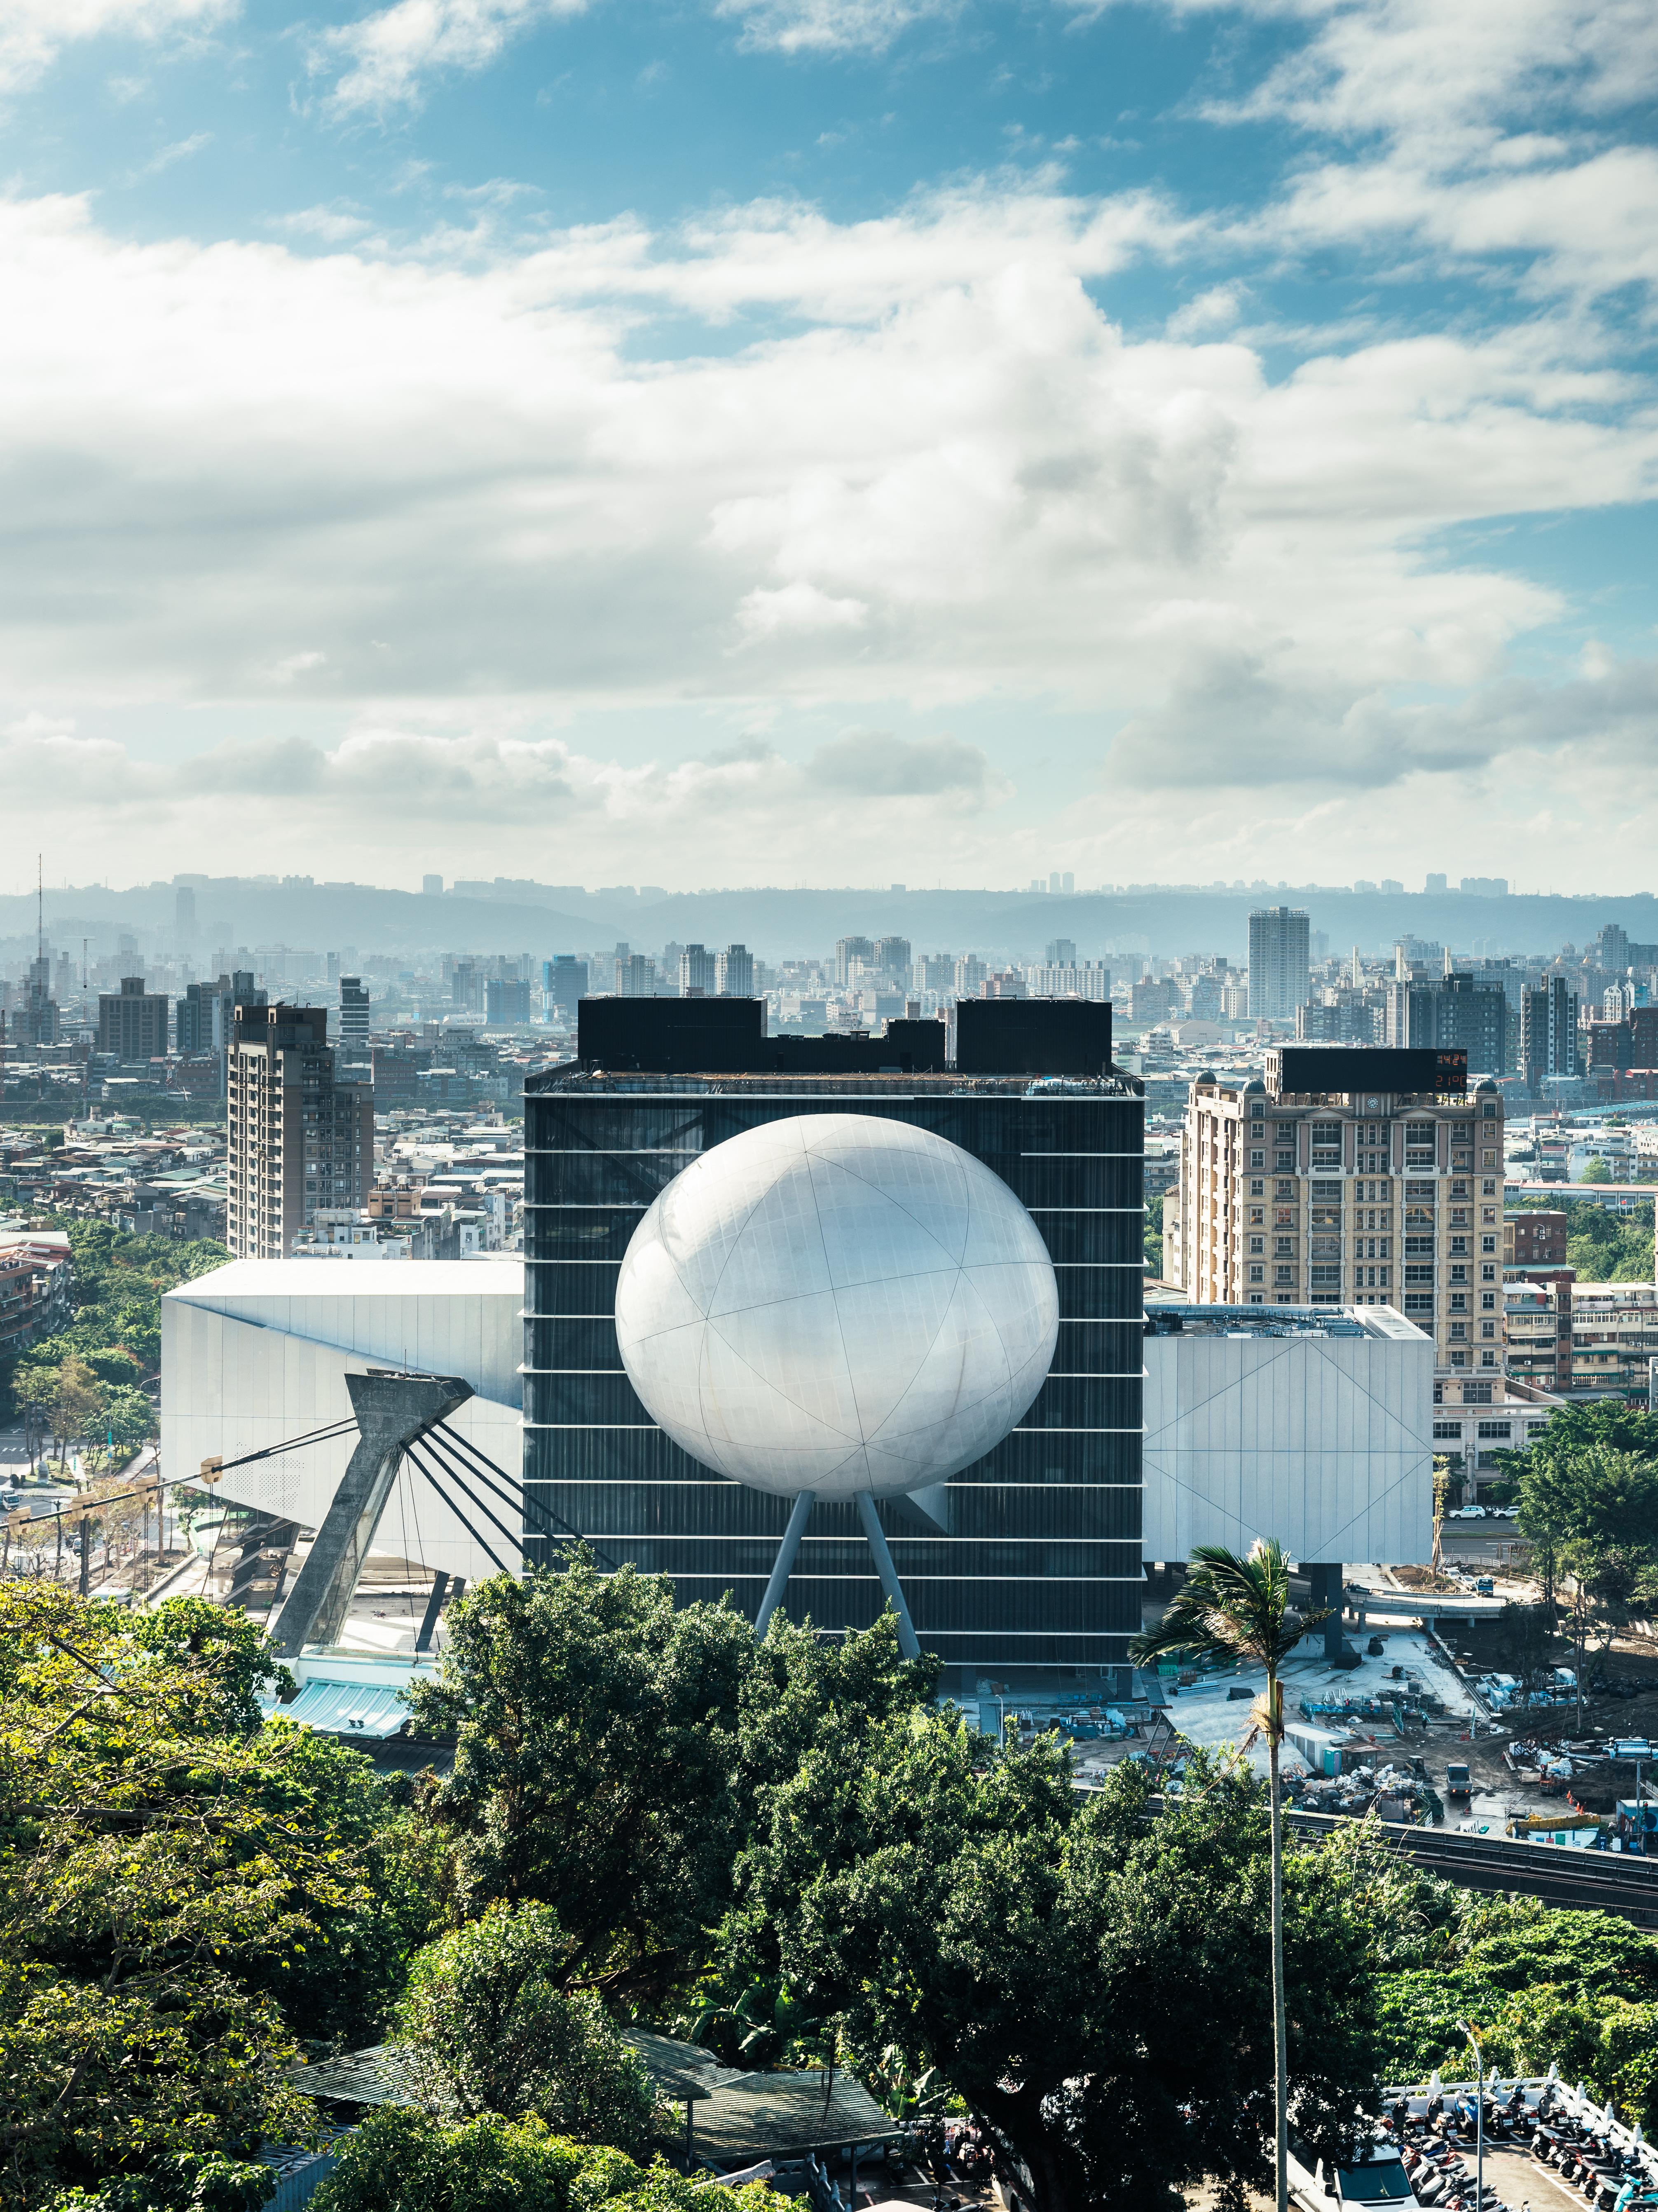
[(972, 439)]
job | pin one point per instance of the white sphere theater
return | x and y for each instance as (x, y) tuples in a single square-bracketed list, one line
[(1025, 1555), (837, 1304)]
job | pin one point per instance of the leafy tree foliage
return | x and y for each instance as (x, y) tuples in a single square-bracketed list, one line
[(609, 1747), (407, 2162), (186, 1888), (1575, 1989), (490, 2028), (1602, 1246), (1091, 1984), (1152, 1235), (1587, 1484), (118, 1281)]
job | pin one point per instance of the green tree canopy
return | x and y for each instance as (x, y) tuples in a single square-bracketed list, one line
[(1589, 1481), (1094, 1987), (490, 2028), (609, 1747), (185, 1887), (407, 2162)]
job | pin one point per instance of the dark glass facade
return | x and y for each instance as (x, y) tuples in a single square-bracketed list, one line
[(1038, 1563)]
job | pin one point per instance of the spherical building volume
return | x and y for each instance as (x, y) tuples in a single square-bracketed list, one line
[(837, 1304)]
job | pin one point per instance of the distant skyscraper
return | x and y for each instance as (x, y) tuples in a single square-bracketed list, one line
[(848, 950), (133, 1022), (354, 1013), (970, 973), (299, 1138), (1278, 958), (699, 973), (892, 959), (1548, 1032), (1061, 952), (431, 886), (636, 975), (183, 914), (1435, 884), (203, 1018), (734, 972), (507, 1002), (564, 986), (35, 1021), (1454, 1011)]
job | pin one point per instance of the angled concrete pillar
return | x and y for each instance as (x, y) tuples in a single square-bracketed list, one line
[(392, 1409)]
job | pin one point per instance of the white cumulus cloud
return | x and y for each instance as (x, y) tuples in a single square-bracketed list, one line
[(382, 60), (33, 33)]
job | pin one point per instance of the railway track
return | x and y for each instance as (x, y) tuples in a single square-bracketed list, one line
[(1583, 1882)]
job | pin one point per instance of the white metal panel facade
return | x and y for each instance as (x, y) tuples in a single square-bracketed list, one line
[(258, 1351), (1324, 1443)]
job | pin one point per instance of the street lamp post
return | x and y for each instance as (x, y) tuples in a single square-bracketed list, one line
[(1478, 2117)]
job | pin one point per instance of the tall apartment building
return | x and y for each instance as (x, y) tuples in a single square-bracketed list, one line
[(1548, 1032), (354, 1013), (133, 1022), (848, 950), (1458, 1011), (1071, 979), (205, 1016), (1280, 957), (892, 960), (507, 1002), (299, 1139), (970, 973), (1342, 1015), (734, 973), (636, 975), (564, 986), (35, 1021), (699, 973), (1349, 1177)]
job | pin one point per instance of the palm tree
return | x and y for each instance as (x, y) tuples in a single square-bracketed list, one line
[(1229, 1607)]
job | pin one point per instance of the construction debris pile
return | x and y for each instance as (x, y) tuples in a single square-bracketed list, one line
[(1397, 1793)]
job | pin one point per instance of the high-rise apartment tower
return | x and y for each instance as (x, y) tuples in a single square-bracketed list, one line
[(1361, 1177), (299, 1138), (133, 1021), (1279, 962)]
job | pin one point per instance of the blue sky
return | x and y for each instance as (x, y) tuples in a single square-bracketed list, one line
[(748, 441)]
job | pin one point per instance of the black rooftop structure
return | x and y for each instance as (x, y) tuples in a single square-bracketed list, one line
[(726, 1036), (1300, 1071), (1025, 1567)]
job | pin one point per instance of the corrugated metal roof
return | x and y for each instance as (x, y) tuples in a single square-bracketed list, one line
[(365, 1709)]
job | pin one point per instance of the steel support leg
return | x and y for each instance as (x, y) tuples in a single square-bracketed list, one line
[(907, 1643), (799, 1515), (434, 1607)]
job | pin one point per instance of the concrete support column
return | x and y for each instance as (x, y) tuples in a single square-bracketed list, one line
[(1326, 1579), (392, 1410)]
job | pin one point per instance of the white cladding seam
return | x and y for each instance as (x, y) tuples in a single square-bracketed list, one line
[(802, 1307)]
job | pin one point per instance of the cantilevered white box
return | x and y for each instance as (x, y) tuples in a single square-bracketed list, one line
[(258, 1352)]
